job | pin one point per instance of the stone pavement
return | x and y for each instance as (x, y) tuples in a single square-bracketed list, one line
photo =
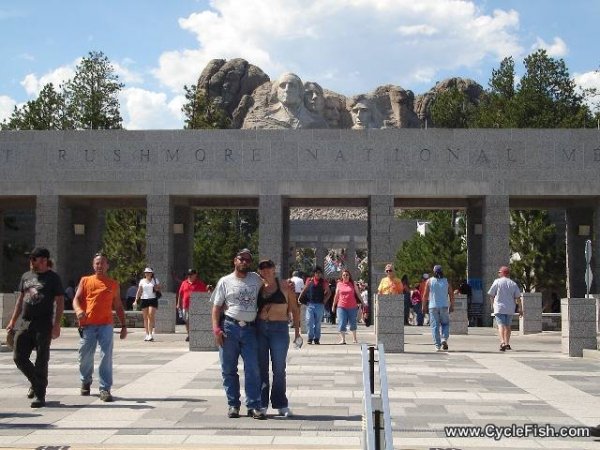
[(168, 397)]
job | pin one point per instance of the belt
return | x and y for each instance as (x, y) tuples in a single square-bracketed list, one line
[(241, 323)]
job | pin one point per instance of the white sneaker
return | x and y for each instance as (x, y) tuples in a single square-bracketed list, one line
[(147, 338), (285, 412)]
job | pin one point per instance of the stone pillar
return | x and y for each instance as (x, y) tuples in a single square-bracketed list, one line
[(159, 238), (351, 259), (183, 240), (273, 231), (459, 321), (201, 334), (7, 306), (578, 323), (1, 248), (165, 314), (82, 247), (595, 237), (389, 322), (576, 218), (53, 229), (531, 322), (381, 250), (495, 243), (474, 261), (320, 254)]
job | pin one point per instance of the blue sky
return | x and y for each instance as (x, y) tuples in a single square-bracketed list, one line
[(348, 46)]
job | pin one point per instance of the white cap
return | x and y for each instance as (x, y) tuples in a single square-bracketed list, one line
[(425, 276), (148, 270)]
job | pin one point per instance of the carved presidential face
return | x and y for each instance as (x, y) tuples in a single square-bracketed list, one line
[(331, 111), (231, 86), (361, 116), (313, 97), (289, 90)]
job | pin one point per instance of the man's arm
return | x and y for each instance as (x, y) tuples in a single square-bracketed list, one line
[(118, 307), (16, 312), (451, 296), (77, 302), (425, 297), (59, 301), (217, 310)]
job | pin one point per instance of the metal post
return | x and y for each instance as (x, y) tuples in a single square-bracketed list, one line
[(377, 429), (372, 368)]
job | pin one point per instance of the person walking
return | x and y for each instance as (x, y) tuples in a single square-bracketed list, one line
[(96, 297), (390, 284), (417, 303), (148, 292), (234, 310), (406, 298), (346, 302), (191, 284), (298, 283), (435, 300), (40, 292), (505, 296), (276, 304), (315, 295)]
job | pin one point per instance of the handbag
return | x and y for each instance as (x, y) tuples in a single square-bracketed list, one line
[(158, 294)]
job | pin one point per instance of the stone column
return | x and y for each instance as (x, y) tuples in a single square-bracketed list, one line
[(459, 322), (474, 260), (381, 250), (159, 238), (531, 322), (1, 248), (389, 322), (576, 218), (183, 240), (201, 334), (82, 247), (273, 231), (53, 229), (578, 323), (320, 254), (165, 314), (595, 237), (495, 243), (351, 259)]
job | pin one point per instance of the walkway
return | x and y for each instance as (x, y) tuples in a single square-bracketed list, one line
[(168, 397)]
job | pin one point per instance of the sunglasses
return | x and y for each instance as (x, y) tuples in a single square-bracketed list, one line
[(389, 271)]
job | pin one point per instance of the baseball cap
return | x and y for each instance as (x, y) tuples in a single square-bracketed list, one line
[(244, 251), (265, 263), (191, 271), (425, 276), (437, 268), (40, 252), (148, 270)]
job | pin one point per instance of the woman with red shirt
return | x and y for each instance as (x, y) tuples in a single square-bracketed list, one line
[(346, 294)]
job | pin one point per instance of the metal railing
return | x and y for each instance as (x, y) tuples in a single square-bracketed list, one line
[(377, 421)]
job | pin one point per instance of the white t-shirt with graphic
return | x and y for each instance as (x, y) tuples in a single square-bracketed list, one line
[(148, 288), (239, 295)]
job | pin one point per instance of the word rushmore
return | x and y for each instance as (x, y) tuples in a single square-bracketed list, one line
[(253, 101)]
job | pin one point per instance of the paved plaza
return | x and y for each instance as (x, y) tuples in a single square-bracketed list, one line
[(168, 397)]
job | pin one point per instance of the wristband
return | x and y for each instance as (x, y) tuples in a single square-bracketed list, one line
[(217, 331)]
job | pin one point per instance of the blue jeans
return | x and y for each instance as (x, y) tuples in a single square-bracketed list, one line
[(273, 341), (240, 341), (439, 319), (92, 336), (314, 316), (346, 317), (418, 309)]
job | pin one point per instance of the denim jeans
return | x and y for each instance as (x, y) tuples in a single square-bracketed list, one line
[(314, 316), (26, 340), (240, 341), (94, 335), (347, 317), (418, 309), (439, 319), (273, 344)]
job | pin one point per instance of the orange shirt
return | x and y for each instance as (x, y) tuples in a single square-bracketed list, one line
[(393, 286), (98, 293)]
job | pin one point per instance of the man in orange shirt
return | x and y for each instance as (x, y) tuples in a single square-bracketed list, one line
[(191, 284), (94, 301)]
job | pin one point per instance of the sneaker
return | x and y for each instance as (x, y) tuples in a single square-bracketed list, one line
[(444, 345), (187, 339), (285, 412), (257, 414), (105, 396), (438, 348), (317, 341), (147, 338), (310, 341), (233, 412), (502, 347), (151, 338), (39, 402), (507, 347), (30, 393), (85, 389)]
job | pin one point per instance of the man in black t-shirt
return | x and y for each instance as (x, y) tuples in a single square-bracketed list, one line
[(40, 289)]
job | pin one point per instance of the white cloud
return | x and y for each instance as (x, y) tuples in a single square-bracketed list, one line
[(143, 109), (590, 81), (125, 74), (7, 106), (383, 41), (557, 49), (34, 84)]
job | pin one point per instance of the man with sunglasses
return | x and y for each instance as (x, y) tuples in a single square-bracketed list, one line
[(234, 310), (40, 289)]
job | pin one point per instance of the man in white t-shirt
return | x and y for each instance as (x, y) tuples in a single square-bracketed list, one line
[(298, 283), (506, 299)]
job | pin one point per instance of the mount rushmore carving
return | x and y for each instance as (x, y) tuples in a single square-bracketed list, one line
[(253, 101)]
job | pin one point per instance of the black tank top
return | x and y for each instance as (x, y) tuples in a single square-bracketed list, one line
[(275, 297)]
